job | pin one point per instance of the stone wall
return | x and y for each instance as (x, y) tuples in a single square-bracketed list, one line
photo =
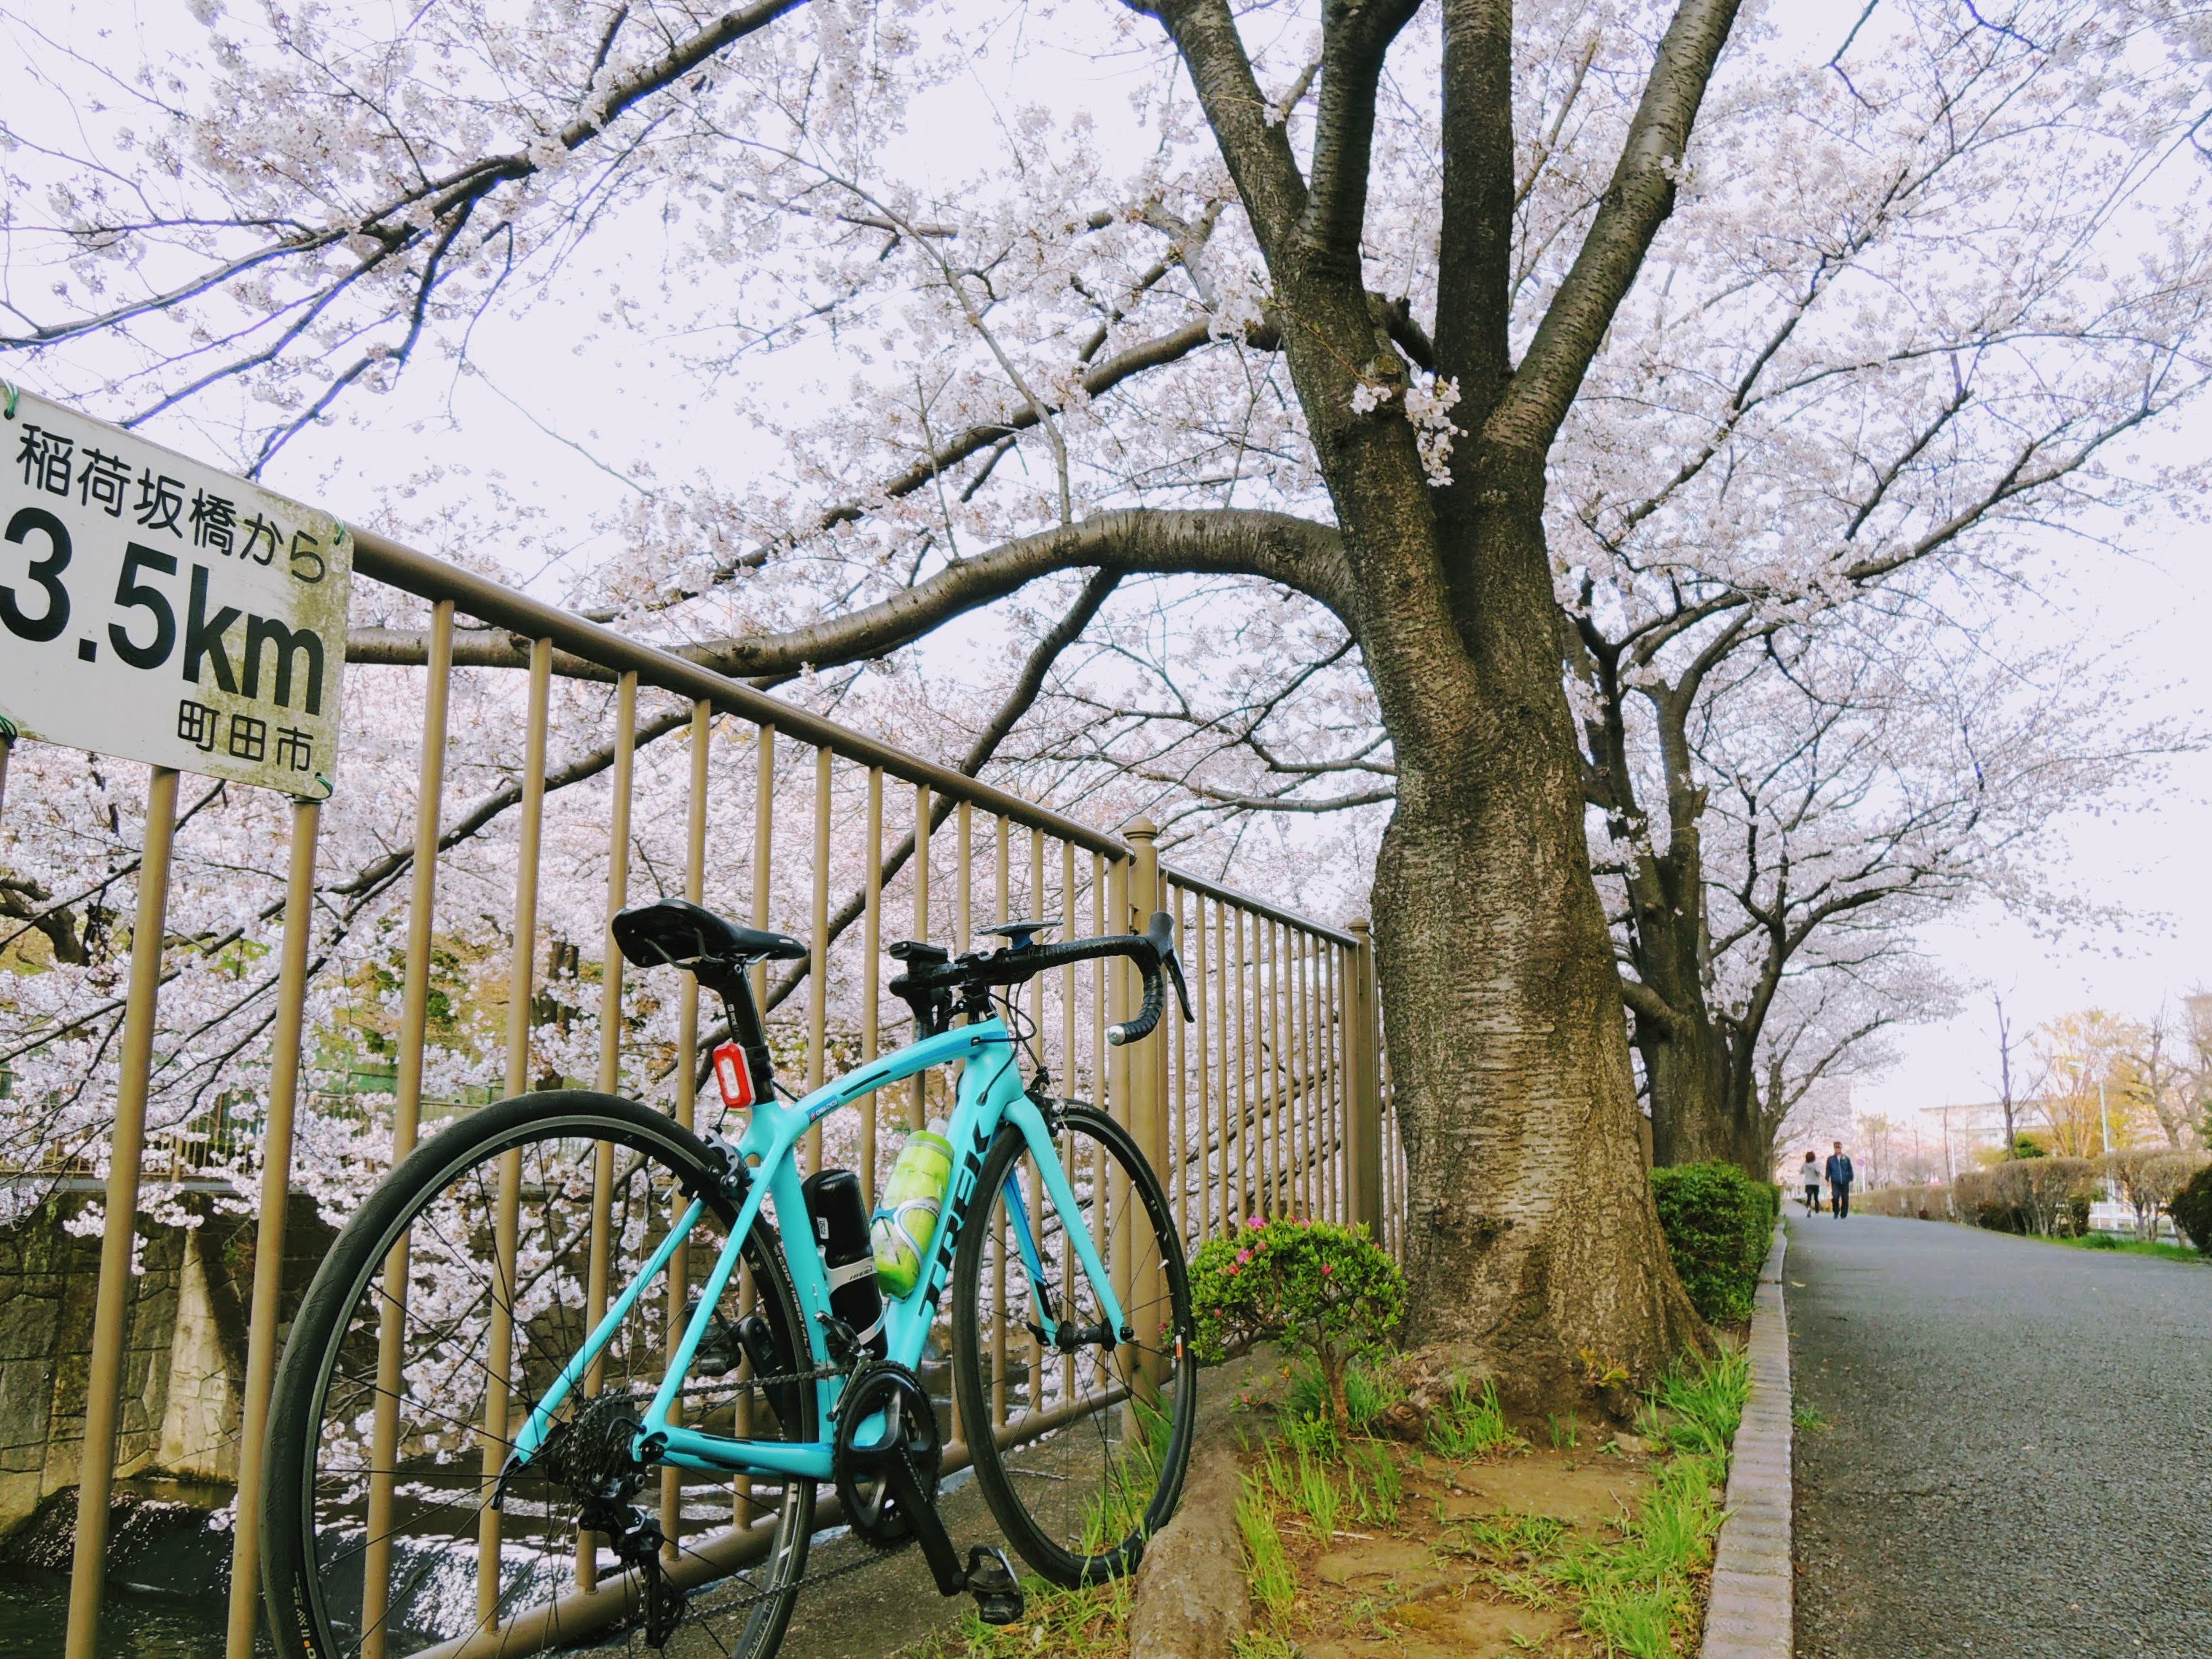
[(185, 1364)]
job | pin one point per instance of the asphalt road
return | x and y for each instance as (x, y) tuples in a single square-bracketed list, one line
[(2017, 1460)]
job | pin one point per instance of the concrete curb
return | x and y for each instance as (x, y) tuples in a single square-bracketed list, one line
[(1753, 1611)]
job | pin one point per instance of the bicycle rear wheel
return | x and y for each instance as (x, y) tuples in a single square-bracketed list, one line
[(446, 1308), (1099, 1436)]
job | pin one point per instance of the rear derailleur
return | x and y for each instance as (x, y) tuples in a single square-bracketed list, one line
[(637, 1541), (591, 1455)]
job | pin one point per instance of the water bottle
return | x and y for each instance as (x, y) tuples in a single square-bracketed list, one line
[(906, 1220)]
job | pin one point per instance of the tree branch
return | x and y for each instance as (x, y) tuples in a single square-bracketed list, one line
[(1257, 147), (1296, 553), (1636, 204)]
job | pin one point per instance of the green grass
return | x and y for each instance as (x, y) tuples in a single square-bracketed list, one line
[(1081, 1622), (1633, 1592), (2114, 1242), (1811, 1419), (1366, 1395), (1273, 1586), (1378, 1498), (1469, 1426)]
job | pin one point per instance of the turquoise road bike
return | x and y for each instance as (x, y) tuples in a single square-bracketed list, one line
[(504, 1411)]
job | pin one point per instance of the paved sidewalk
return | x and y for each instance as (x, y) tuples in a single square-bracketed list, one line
[(2019, 1455)]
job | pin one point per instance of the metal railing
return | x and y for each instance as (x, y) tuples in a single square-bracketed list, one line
[(1271, 1103)]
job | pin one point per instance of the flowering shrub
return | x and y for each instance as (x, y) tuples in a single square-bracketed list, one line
[(1328, 1291)]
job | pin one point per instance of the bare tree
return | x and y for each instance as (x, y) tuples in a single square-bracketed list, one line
[(2006, 1046)]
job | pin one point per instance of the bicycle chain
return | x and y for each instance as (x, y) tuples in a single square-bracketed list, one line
[(876, 1553), (819, 1374)]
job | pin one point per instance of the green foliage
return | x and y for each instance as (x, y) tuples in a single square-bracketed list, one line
[(1566, 1431), (1717, 1221), (1326, 1289), (1369, 1389), (2025, 1145), (1317, 1496), (1471, 1425), (1273, 1585), (1378, 1498), (2101, 1241), (2192, 1210), (1698, 1405)]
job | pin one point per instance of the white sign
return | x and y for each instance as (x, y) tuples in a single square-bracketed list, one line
[(154, 608)]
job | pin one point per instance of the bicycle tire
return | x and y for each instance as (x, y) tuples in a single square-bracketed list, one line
[(295, 1569), (1090, 1536)]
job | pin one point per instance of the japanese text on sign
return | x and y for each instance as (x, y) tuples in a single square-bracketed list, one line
[(154, 608)]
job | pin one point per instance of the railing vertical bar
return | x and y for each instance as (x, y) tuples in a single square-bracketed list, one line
[(1219, 1020), (1286, 1101), (127, 1147), (1067, 1075), (963, 877), (1310, 1107), (269, 1230), (918, 1104), (963, 895), (1334, 1038), (1277, 1060), (1101, 1079), (872, 951), (521, 985), (1120, 1240), (818, 972), (1234, 1002), (1178, 1101), (406, 1121), (763, 846), (1033, 1183), (1263, 1132), (609, 1071), (687, 1075), (1002, 832)]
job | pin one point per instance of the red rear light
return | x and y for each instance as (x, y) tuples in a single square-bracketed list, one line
[(734, 1075)]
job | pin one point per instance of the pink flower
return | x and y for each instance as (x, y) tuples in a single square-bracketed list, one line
[(1325, 1268), (1243, 1255)]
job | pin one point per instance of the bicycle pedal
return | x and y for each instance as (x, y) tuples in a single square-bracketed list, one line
[(991, 1581)]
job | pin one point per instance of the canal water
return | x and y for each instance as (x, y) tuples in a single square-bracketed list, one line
[(134, 1623), (168, 1581)]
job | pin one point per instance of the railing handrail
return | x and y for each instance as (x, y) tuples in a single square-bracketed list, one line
[(428, 577)]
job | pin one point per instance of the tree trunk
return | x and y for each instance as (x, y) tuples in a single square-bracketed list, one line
[(1531, 1240)]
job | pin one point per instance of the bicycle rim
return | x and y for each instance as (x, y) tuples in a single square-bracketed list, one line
[(1079, 1499), (446, 1308)]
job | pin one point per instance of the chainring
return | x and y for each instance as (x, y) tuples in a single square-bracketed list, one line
[(871, 1508)]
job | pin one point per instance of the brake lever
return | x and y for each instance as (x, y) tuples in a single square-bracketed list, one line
[(1173, 964)]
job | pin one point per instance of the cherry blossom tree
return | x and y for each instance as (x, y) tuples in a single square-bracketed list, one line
[(1354, 317)]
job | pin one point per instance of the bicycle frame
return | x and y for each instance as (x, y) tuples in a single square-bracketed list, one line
[(990, 1095)]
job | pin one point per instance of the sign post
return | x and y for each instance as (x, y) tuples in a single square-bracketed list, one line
[(156, 609)]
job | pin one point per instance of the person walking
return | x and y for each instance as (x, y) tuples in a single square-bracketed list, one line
[(1809, 1173), (1840, 1177)]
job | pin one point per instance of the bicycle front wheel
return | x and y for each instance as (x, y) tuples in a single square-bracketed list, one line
[(1079, 1448), (448, 1305)]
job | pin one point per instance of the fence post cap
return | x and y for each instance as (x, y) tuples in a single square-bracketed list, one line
[(1140, 828), (1360, 927)]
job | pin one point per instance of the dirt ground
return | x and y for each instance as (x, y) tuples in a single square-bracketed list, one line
[(1442, 1580)]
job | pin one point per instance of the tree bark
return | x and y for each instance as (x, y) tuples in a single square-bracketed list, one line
[(1531, 1236)]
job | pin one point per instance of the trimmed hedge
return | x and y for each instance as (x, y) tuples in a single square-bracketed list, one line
[(2192, 1210), (1717, 1221)]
